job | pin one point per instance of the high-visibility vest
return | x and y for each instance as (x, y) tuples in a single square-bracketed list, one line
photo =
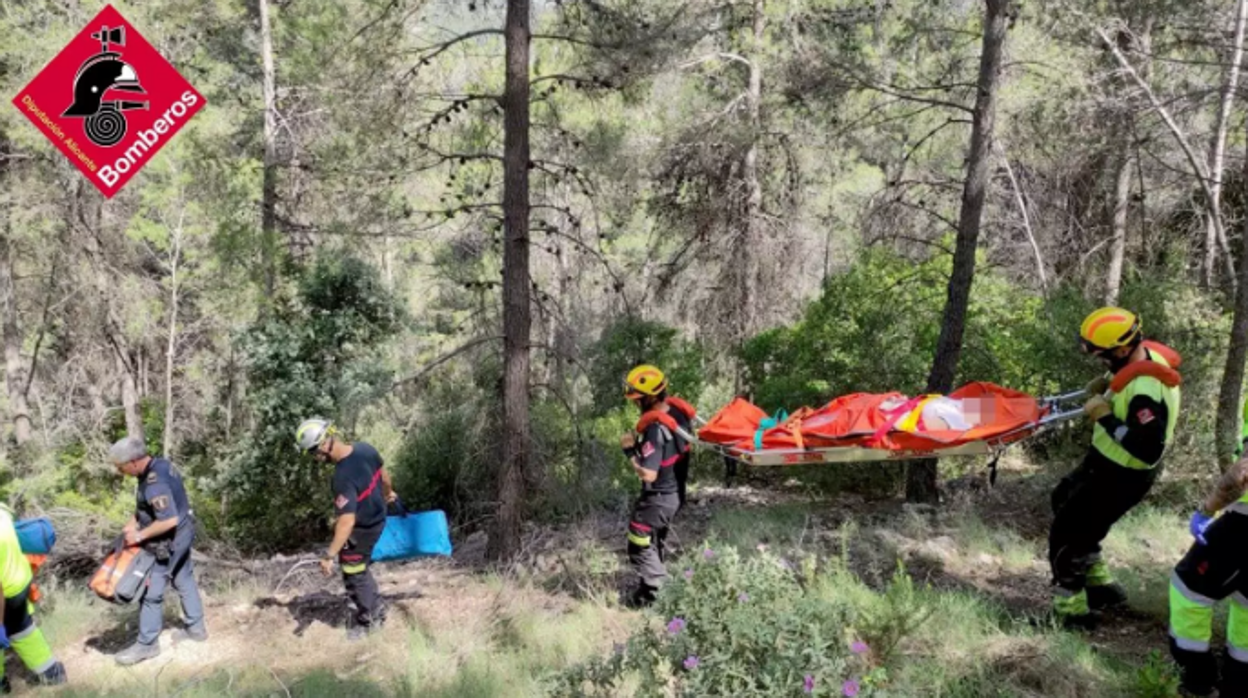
[(1159, 383)]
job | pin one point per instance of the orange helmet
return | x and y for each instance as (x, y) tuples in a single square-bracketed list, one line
[(644, 380), (1109, 328)]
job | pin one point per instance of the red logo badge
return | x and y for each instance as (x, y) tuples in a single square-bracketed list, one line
[(1145, 416), (340, 502), (109, 101), (647, 450)]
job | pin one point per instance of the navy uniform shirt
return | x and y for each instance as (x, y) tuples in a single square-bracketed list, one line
[(161, 496), (658, 451), (358, 488)]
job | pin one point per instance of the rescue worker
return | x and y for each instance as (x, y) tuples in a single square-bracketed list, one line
[(362, 489), (1216, 567), (164, 525), (653, 458), (18, 629), (1134, 408)]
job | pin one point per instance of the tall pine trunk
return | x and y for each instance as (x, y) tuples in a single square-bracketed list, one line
[(1217, 150), (751, 238), (505, 540), (921, 475), (268, 200), (15, 378), (1118, 217)]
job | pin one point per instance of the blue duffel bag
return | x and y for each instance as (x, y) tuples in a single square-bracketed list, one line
[(408, 535), (35, 536)]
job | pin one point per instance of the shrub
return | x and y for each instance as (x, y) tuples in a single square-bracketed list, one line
[(736, 625)]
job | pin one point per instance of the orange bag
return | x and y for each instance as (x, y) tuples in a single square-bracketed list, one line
[(123, 574)]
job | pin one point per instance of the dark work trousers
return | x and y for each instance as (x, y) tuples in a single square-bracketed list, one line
[(1209, 573), (647, 530), (1086, 504), (180, 570), (355, 559), (682, 478)]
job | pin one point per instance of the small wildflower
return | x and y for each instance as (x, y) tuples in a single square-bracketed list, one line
[(691, 662), (618, 648), (784, 562), (859, 647), (743, 597), (688, 574), (761, 547), (708, 554), (808, 684), (676, 625), (850, 688)]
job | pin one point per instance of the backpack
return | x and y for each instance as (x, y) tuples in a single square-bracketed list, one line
[(123, 574), (35, 536)]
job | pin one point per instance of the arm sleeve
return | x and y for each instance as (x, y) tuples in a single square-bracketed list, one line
[(160, 496), (650, 451), (1143, 433), (345, 496)]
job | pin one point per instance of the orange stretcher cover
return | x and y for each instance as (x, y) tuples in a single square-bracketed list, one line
[(889, 421)]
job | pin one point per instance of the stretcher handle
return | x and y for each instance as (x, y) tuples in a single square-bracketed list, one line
[(1075, 395), (397, 507)]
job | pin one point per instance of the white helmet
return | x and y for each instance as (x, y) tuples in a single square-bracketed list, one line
[(312, 433)]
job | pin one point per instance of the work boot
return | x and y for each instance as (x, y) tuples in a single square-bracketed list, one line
[(199, 634), (54, 676), (1107, 596), (5, 687), (1080, 622), (642, 596), (137, 653)]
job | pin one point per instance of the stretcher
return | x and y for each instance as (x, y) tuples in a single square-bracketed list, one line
[(978, 419)]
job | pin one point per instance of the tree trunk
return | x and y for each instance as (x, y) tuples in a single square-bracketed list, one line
[(751, 239), (505, 541), (1227, 428), (921, 475), (171, 346), (1217, 150), (14, 368), (268, 201), (129, 396), (1118, 221)]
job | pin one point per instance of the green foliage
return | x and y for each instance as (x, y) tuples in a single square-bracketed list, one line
[(1157, 678), (741, 626), (317, 355), (629, 342)]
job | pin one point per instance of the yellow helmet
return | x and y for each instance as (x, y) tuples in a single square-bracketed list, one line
[(1109, 328), (644, 380)]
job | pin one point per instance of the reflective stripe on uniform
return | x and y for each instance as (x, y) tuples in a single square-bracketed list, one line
[(1191, 617), (30, 630), (1070, 603), (1190, 645), (1099, 574), (1176, 584), (641, 541), (1237, 628), (354, 569), (1240, 507), (1146, 386)]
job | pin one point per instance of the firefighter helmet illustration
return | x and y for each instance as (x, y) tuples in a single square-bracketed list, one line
[(105, 123)]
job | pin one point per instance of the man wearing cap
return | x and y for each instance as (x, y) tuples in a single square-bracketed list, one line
[(164, 525)]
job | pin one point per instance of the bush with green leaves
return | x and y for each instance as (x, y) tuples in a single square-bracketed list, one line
[(318, 354), (738, 625), (629, 342)]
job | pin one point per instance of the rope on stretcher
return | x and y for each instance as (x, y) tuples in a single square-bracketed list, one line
[(1055, 417)]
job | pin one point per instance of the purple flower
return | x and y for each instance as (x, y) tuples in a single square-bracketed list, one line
[(688, 574), (808, 684), (859, 647), (676, 625), (691, 662), (784, 562), (743, 597), (850, 688), (708, 554), (618, 648)]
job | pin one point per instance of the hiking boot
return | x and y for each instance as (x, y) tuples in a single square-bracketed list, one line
[(641, 597), (137, 653), (1107, 596), (5, 687), (190, 635), (54, 676)]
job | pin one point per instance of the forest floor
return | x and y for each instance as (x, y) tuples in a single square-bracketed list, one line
[(458, 628)]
